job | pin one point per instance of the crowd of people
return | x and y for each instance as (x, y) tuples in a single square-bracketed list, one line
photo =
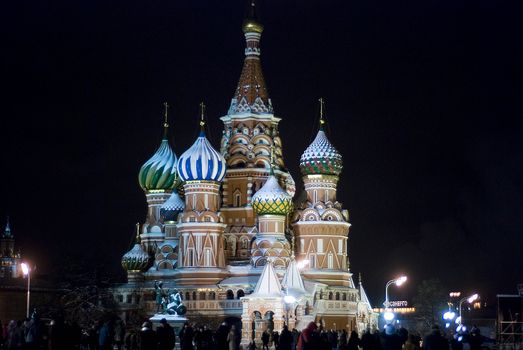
[(36, 334)]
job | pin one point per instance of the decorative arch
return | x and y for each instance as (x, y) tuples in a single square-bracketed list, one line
[(331, 214), (310, 214), (261, 262), (230, 294), (261, 139), (262, 162), (237, 198), (165, 265), (240, 293)]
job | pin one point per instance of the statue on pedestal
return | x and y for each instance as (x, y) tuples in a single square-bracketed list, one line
[(167, 302)]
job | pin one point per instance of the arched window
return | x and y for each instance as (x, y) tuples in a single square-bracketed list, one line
[(240, 293), (337, 295), (230, 295), (237, 198), (307, 308), (330, 295), (202, 296), (344, 296), (212, 296), (330, 261), (193, 295), (187, 296), (312, 261)]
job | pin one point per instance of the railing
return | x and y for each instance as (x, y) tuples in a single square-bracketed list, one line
[(336, 306), (199, 305)]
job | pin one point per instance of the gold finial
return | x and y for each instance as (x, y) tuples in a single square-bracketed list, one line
[(360, 278), (202, 116), (322, 106), (292, 247), (137, 232), (272, 160), (165, 114)]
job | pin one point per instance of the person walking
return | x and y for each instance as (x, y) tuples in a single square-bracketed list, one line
[(231, 338), (309, 339), (354, 341), (342, 342), (165, 335), (148, 339), (435, 341), (390, 339), (285, 339), (265, 339), (186, 337), (104, 337)]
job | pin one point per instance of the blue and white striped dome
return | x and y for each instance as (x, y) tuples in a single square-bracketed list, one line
[(201, 162)]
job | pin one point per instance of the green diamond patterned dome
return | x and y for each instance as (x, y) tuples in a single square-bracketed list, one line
[(321, 157), (272, 199), (135, 259)]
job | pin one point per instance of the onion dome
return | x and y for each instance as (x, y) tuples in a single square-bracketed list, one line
[(321, 157), (136, 259), (272, 199), (201, 161), (172, 207), (251, 24), (159, 172)]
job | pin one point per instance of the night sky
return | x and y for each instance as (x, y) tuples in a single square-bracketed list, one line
[(422, 99)]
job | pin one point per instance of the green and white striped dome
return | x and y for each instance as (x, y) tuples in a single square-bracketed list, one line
[(135, 259), (159, 172)]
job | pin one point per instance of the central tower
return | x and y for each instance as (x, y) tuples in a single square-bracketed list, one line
[(250, 132)]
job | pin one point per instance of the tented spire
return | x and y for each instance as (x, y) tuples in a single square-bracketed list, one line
[(268, 285), (292, 280), (7, 230), (363, 295), (251, 94)]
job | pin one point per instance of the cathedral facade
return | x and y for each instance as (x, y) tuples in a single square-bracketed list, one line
[(222, 227), (10, 259)]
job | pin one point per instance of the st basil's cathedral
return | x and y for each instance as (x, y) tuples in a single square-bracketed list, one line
[(223, 230)]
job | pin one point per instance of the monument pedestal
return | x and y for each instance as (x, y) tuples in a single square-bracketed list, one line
[(174, 321)]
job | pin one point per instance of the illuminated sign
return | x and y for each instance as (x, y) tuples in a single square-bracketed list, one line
[(398, 303)]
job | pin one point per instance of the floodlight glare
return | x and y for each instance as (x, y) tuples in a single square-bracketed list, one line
[(388, 316), (449, 315), (401, 280), (25, 269), (289, 299), (472, 298)]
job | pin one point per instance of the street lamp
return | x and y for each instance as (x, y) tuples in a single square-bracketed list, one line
[(470, 300), (27, 272), (398, 282), (289, 302), (388, 315)]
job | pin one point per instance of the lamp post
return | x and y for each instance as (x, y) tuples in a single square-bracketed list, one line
[(388, 315), (27, 272), (289, 301), (470, 300)]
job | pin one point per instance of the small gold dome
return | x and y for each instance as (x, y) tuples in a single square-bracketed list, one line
[(250, 25)]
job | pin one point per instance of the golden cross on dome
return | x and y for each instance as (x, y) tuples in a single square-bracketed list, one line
[(165, 114), (322, 106), (137, 232), (272, 160), (202, 115), (292, 247)]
